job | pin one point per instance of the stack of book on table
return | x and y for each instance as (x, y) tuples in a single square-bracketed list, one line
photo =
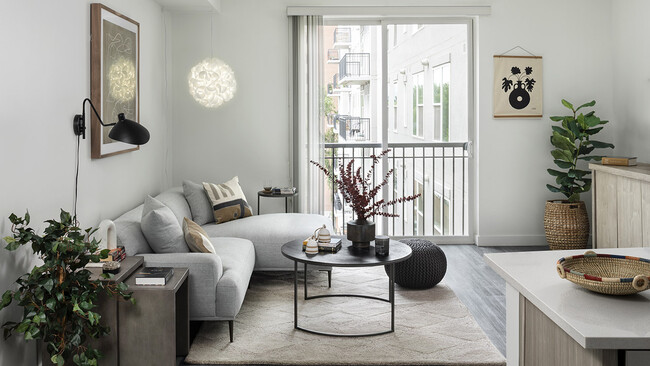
[(331, 247), (283, 190), (154, 276), (114, 255)]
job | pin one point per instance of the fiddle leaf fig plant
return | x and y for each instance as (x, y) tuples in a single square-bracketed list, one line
[(572, 142), (59, 297)]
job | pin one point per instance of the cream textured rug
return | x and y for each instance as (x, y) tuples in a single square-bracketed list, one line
[(432, 327)]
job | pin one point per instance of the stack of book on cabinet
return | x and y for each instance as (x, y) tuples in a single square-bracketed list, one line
[(154, 276)]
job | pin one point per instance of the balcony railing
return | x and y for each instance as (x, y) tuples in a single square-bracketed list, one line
[(438, 171), (342, 35), (354, 128), (354, 67)]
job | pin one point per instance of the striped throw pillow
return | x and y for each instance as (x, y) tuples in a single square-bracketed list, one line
[(228, 201)]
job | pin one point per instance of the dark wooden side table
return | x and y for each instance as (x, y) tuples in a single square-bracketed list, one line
[(157, 328), (275, 195)]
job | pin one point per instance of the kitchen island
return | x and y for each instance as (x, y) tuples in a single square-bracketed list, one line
[(551, 321)]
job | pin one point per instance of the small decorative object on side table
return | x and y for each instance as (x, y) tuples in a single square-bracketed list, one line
[(271, 194), (157, 328)]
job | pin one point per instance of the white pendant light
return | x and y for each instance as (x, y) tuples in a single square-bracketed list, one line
[(211, 81)]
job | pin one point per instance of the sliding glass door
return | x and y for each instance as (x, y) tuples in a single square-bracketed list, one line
[(405, 86)]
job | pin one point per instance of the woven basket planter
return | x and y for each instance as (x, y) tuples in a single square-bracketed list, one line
[(566, 224)]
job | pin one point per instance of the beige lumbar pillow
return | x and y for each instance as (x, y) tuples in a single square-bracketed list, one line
[(196, 238), (228, 201)]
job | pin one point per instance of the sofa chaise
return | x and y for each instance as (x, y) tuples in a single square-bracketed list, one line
[(218, 282)]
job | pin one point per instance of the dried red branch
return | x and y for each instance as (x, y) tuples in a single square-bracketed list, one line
[(358, 191)]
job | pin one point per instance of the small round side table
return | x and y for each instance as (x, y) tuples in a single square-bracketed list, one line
[(274, 195)]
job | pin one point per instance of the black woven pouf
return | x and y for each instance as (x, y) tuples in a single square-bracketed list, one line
[(426, 267)]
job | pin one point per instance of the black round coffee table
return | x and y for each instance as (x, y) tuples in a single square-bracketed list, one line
[(346, 257)]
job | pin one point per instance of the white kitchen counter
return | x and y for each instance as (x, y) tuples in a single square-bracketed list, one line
[(593, 320)]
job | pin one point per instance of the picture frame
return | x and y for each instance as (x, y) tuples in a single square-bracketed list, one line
[(114, 76), (518, 87)]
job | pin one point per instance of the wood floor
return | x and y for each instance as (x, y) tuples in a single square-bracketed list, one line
[(476, 285)]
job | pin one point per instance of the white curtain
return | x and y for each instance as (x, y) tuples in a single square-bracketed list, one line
[(307, 96)]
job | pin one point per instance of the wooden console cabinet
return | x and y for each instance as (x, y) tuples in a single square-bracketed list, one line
[(621, 206)]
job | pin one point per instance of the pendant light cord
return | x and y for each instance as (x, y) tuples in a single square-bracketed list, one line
[(211, 36)]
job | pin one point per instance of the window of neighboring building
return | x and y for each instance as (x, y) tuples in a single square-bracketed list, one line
[(395, 112), (418, 209), (418, 104), (441, 75), (440, 214)]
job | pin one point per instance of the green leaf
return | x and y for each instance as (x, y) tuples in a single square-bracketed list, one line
[(581, 122), (562, 142), (593, 131), (51, 303), (593, 157), (76, 308), (599, 144), (23, 326), (573, 127), (12, 245), (590, 104), (562, 155), (563, 164), (48, 285), (553, 189), (564, 132), (6, 299), (576, 173), (592, 121), (554, 172), (567, 104), (557, 118)]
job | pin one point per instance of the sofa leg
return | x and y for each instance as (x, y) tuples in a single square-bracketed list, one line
[(230, 328)]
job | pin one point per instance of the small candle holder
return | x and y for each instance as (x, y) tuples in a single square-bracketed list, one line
[(382, 245)]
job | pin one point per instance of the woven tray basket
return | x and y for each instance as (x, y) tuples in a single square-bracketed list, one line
[(606, 273)]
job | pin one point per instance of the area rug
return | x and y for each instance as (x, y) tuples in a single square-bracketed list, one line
[(432, 327)]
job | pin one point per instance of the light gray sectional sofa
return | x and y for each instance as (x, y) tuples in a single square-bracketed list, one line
[(218, 282)]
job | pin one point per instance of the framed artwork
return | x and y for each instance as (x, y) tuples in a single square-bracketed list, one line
[(114, 76), (517, 87)]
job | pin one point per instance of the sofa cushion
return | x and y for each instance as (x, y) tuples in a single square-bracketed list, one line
[(268, 233), (228, 201), (175, 200), (196, 238), (199, 202), (161, 229), (129, 233)]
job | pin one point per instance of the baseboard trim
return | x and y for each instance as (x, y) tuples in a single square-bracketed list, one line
[(510, 240)]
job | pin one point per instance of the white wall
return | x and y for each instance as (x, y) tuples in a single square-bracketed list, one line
[(44, 74), (631, 78), (249, 136), (574, 38)]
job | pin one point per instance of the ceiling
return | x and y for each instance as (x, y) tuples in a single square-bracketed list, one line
[(190, 5)]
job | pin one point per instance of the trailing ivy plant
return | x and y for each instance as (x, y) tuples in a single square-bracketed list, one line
[(59, 297), (572, 142)]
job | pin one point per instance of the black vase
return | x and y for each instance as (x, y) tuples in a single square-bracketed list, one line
[(361, 233), (519, 98)]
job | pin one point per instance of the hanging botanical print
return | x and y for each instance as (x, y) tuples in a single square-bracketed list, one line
[(517, 86), (114, 75)]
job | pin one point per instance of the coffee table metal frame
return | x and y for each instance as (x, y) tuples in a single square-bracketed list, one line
[(403, 253)]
